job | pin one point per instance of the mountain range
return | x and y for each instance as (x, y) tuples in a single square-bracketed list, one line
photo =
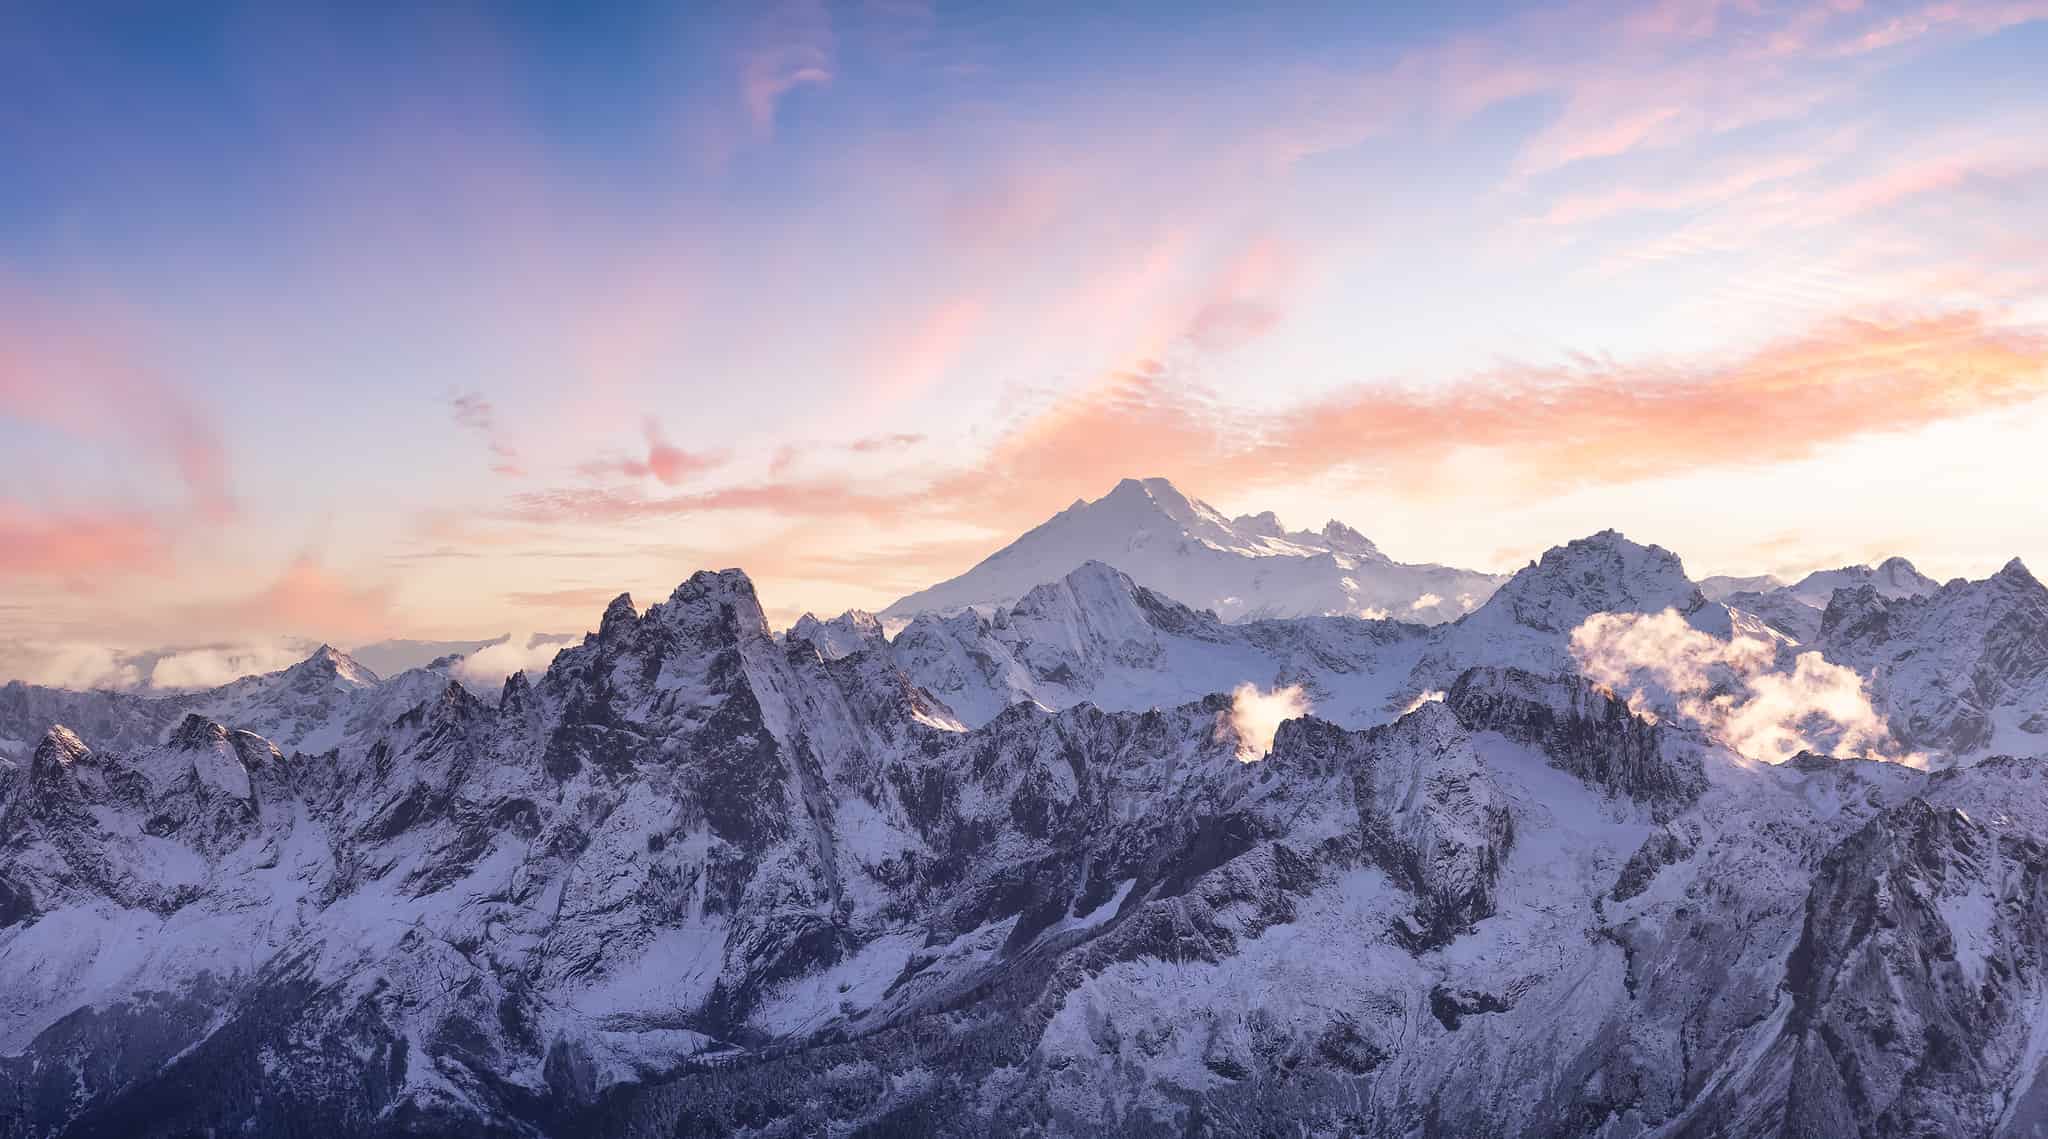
[(1084, 856)]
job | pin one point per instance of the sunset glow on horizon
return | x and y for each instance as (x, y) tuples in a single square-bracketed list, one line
[(445, 321)]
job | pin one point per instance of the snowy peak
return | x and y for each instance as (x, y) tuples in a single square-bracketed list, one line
[(852, 631), (1894, 577), (60, 748), (332, 667), (1962, 669), (1094, 605), (1243, 567), (618, 616), (721, 605), (1343, 539), (1603, 573), (2015, 574)]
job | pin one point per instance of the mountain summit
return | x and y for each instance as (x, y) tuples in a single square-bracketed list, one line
[(1242, 567)]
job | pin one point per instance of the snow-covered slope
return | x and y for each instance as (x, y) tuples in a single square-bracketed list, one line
[(1720, 587), (1893, 578), (1779, 610), (1242, 567), (1097, 636)]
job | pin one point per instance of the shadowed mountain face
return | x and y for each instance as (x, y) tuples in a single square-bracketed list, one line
[(1009, 874)]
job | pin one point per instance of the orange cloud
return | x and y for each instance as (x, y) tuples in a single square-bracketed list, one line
[(1590, 421), (1597, 421)]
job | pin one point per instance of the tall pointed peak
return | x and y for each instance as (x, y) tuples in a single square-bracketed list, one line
[(330, 663), (60, 747), (2016, 572), (1346, 540), (619, 615)]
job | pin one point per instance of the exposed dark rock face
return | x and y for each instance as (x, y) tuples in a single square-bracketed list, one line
[(1583, 730)]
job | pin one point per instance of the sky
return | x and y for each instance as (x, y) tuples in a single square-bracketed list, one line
[(392, 320)]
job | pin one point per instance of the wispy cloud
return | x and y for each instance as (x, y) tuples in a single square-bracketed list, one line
[(74, 370), (474, 412), (793, 48)]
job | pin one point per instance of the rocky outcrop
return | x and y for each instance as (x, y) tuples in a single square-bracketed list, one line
[(1585, 730)]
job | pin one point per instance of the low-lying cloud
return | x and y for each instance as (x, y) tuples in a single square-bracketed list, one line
[(488, 667), (87, 666), (1736, 689), (1255, 717), (71, 664), (215, 665)]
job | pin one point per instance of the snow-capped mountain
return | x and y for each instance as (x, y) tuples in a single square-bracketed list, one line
[(1528, 622), (327, 700), (1893, 578), (1963, 670), (1012, 873), (1243, 567), (1795, 609)]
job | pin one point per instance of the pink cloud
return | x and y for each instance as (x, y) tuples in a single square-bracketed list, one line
[(75, 547), (663, 461), (1248, 298)]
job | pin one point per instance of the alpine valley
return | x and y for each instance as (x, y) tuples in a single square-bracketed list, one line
[(1154, 823)]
